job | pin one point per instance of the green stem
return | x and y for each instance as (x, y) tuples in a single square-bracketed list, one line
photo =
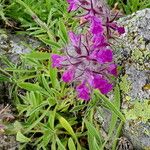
[(117, 135)]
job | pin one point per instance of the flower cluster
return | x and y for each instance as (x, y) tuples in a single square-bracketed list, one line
[(88, 59)]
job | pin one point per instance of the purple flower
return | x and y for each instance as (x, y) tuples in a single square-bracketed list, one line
[(88, 57), (96, 25), (104, 56), (106, 88), (83, 91), (68, 75), (99, 41), (112, 69), (72, 5), (57, 60), (102, 84)]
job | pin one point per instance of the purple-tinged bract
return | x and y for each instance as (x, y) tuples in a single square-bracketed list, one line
[(72, 5)]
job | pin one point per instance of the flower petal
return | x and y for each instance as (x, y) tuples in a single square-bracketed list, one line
[(99, 41), (96, 25), (57, 60), (112, 69), (83, 91), (68, 75), (104, 56), (102, 84)]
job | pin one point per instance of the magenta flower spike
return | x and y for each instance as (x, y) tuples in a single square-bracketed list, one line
[(75, 39), (106, 88), (121, 30), (99, 41), (115, 27), (88, 60)]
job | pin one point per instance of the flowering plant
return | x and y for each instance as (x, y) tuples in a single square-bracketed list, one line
[(88, 59)]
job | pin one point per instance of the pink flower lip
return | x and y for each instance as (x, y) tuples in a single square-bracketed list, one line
[(102, 84), (57, 60), (83, 91), (104, 56), (68, 75)]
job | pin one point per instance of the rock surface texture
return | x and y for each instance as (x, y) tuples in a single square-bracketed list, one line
[(13, 44), (133, 52)]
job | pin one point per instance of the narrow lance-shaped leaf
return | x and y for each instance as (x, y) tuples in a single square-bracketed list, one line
[(71, 144), (110, 105), (21, 138)]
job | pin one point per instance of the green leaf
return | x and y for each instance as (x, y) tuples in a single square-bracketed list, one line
[(114, 118), (45, 83), (95, 145), (17, 126), (37, 108), (71, 144), (93, 132), (37, 121), (110, 105), (51, 119), (21, 138), (29, 86), (32, 87), (60, 145), (19, 70), (38, 55), (49, 42), (67, 126), (54, 78), (116, 103), (118, 132), (63, 31), (77, 108), (3, 78)]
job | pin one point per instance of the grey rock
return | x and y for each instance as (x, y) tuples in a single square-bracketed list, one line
[(133, 52), (16, 44), (11, 46), (8, 142)]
